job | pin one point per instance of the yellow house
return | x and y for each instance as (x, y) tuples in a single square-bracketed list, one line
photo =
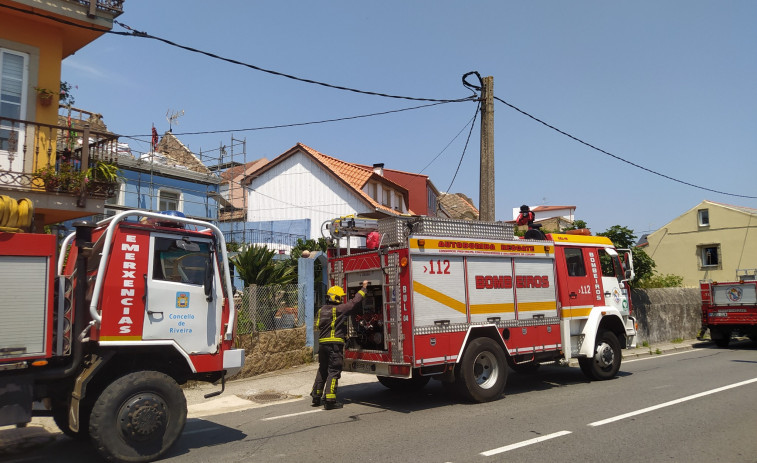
[(710, 241), (35, 36)]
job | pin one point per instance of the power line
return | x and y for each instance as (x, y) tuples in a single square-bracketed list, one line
[(465, 148), (136, 33), (298, 124), (638, 166)]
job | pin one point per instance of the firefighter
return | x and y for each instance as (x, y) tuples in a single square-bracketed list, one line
[(527, 217), (331, 325)]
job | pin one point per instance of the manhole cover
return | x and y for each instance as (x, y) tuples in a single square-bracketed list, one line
[(267, 397)]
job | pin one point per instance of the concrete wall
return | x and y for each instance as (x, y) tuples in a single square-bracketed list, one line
[(665, 314)]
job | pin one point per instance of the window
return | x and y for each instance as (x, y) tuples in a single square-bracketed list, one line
[(374, 191), (13, 76), (397, 202), (180, 261), (575, 261), (704, 217), (709, 256), (169, 200), (386, 201)]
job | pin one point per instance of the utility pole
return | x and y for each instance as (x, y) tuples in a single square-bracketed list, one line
[(486, 208)]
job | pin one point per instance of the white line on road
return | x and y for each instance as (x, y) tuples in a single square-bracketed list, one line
[(535, 440), (289, 415), (657, 356), (672, 402)]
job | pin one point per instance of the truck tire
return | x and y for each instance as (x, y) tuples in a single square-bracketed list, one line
[(416, 383), (482, 372), (606, 360), (138, 417)]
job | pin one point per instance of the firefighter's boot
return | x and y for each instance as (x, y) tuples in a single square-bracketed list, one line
[(316, 402), (332, 405)]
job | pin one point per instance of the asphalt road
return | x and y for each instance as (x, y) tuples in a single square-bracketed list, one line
[(693, 406)]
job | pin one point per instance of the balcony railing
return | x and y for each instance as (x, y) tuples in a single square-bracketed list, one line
[(115, 7), (36, 156)]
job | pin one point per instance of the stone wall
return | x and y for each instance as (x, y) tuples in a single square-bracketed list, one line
[(273, 350), (665, 314)]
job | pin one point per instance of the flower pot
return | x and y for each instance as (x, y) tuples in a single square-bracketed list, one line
[(45, 99)]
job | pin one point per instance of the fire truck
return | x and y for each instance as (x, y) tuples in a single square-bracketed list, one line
[(102, 338), (730, 308), (459, 301)]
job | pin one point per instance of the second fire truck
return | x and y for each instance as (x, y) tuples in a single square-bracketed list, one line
[(459, 301)]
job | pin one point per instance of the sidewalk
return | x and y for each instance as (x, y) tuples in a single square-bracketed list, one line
[(288, 385)]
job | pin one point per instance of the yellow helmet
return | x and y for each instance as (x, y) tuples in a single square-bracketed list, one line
[(335, 294)]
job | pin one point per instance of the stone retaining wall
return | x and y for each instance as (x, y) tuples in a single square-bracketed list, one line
[(273, 350), (665, 314)]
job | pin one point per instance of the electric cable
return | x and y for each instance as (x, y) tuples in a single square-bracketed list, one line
[(638, 166), (298, 124), (465, 148)]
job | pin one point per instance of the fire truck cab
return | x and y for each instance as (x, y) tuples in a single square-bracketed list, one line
[(459, 301), (102, 339)]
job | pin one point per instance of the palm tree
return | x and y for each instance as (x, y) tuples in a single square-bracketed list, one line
[(256, 266)]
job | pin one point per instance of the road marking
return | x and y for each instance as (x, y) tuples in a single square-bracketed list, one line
[(657, 356), (672, 402), (535, 440), (291, 414)]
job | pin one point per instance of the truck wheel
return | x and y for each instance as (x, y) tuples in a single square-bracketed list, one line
[(416, 383), (482, 371), (606, 360), (138, 417)]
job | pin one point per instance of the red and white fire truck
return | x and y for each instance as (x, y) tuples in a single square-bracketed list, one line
[(730, 308), (460, 300), (101, 340)]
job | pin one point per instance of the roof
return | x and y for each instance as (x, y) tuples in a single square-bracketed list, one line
[(352, 175), (174, 150), (746, 210), (242, 169), (458, 206)]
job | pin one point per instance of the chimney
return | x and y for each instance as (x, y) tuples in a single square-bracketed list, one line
[(379, 169)]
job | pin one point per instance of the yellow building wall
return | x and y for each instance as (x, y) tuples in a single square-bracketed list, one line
[(675, 247), (45, 66)]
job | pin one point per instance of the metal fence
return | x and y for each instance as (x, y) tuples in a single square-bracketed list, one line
[(281, 242), (267, 308)]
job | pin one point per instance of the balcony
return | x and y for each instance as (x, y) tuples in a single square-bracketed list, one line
[(50, 164)]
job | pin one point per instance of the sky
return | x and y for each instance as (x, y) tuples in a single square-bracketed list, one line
[(668, 87)]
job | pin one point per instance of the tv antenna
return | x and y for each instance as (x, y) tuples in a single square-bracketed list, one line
[(172, 118)]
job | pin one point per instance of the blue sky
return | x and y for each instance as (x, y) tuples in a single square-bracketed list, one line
[(669, 86)]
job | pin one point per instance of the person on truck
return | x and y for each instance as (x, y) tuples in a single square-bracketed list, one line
[(527, 217), (331, 324)]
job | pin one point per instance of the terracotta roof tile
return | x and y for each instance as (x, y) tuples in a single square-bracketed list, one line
[(352, 174)]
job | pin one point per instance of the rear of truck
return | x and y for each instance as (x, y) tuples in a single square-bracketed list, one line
[(730, 308)]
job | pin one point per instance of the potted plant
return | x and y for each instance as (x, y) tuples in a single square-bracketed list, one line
[(49, 177), (45, 96), (103, 177)]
